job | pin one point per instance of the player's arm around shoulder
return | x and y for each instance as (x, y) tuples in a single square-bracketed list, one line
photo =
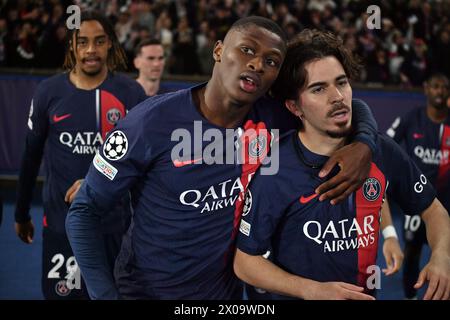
[(353, 159)]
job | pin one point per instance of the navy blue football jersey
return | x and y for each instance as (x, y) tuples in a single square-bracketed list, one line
[(72, 124), (186, 215), (428, 144), (317, 240), (183, 202)]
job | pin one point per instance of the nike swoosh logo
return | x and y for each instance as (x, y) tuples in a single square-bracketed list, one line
[(60, 118), (417, 135), (178, 163), (304, 199)]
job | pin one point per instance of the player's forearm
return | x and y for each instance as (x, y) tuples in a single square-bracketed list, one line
[(386, 217), (437, 224), (85, 236), (364, 123), (262, 273), (29, 169)]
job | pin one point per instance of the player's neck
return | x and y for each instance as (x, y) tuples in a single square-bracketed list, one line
[(219, 109), (151, 86), (84, 81), (437, 115), (320, 144)]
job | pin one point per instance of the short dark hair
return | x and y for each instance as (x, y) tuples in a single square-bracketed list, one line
[(437, 75), (116, 55), (306, 46), (146, 42), (262, 22)]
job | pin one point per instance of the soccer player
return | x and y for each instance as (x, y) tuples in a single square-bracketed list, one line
[(149, 61), (180, 244), (70, 115), (321, 251), (425, 133)]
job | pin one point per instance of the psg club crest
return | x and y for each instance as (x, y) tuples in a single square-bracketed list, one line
[(247, 203), (258, 146), (62, 289), (371, 189), (113, 115), (115, 146)]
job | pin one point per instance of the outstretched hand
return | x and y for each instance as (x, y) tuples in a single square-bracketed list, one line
[(336, 291), (393, 255), (437, 273), (354, 160)]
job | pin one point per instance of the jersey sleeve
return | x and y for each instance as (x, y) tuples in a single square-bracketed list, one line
[(366, 128), (32, 155), (260, 216), (408, 186), (123, 158), (83, 228)]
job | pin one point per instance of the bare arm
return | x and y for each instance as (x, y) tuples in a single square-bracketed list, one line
[(262, 273), (391, 247), (437, 271)]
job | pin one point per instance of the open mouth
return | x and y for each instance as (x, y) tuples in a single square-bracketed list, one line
[(248, 83), (91, 61), (340, 115), (438, 100)]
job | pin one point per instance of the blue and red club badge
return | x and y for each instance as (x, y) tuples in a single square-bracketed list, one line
[(371, 189)]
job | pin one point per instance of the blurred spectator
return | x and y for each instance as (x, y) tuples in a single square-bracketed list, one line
[(187, 29), (282, 16), (205, 46), (441, 54), (145, 16), (123, 25), (397, 49), (25, 46), (413, 71), (164, 32), (184, 52), (377, 67), (52, 37), (3, 39), (149, 61), (292, 28), (223, 20)]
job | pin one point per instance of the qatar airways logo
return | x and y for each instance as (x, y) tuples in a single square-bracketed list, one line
[(219, 196), (346, 234), (82, 142), (432, 156)]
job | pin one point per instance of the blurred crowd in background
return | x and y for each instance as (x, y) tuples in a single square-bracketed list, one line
[(413, 41)]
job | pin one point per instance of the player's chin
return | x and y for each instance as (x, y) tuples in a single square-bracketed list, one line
[(340, 132), (245, 98), (92, 71)]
